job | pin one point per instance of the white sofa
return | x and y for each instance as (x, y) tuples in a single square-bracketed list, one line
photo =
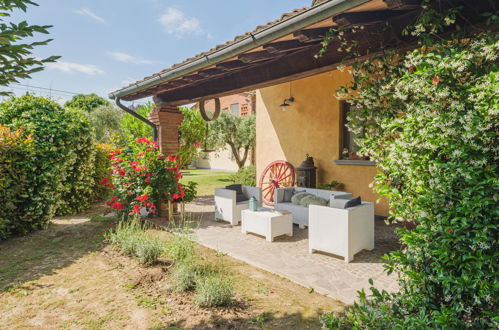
[(226, 207), (342, 232), (300, 213)]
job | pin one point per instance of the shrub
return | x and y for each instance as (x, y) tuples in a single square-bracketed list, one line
[(192, 132), (14, 149), (59, 163), (131, 239), (134, 129), (245, 176), (86, 102), (214, 291), (106, 121), (142, 178), (430, 120), (184, 275), (180, 247), (102, 166), (77, 188)]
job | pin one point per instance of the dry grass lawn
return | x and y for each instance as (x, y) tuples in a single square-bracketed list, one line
[(67, 277)]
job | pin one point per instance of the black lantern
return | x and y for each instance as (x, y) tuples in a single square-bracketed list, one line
[(307, 173)]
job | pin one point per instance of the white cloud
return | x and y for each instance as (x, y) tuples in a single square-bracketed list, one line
[(88, 13), (127, 58), (69, 67), (176, 23)]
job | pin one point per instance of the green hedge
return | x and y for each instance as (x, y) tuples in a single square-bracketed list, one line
[(54, 174)]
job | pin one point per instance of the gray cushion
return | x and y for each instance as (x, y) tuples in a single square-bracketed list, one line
[(297, 197), (313, 200), (238, 188), (353, 202), (341, 203), (288, 194)]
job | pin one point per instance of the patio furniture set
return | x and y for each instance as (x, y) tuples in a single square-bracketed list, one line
[(338, 223)]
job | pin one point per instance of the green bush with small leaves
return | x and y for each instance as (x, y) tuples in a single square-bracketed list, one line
[(214, 291), (245, 176), (57, 174), (132, 240)]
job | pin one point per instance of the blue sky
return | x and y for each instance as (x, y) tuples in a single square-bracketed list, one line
[(106, 44)]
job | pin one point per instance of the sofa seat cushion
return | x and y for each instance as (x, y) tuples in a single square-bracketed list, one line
[(296, 199), (299, 212), (313, 200)]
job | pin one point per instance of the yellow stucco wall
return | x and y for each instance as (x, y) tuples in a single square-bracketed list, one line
[(310, 125)]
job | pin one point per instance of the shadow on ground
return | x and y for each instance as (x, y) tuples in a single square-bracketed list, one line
[(43, 252)]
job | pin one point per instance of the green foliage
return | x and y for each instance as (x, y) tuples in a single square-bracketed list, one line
[(133, 128), (14, 148), (184, 276), (77, 188), (429, 118), (131, 239), (192, 135), (17, 59), (330, 185), (190, 191), (245, 176), (61, 146), (180, 247), (106, 121), (237, 132), (102, 166), (214, 291), (86, 102)]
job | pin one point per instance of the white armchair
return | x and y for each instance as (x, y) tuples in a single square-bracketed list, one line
[(226, 207), (342, 232)]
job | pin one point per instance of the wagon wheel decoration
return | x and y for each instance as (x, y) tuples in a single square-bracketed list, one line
[(278, 174)]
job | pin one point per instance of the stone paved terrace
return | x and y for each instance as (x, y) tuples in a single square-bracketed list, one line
[(289, 257)]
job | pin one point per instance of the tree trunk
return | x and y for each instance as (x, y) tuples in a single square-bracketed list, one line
[(235, 152)]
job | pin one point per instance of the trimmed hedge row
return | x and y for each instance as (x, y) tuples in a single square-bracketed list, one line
[(47, 159)]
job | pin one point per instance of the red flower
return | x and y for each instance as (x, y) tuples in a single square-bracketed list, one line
[(143, 197), (104, 181), (108, 203), (197, 144), (436, 80), (449, 231), (153, 212), (172, 158), (117, 206), (148, 179), (179, 175), (141, 154), (114, 198), (136, 209)]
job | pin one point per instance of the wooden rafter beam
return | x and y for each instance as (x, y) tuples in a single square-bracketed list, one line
[(255, 56), (311, 34), (283, 46), (193, 77), (402, 4), (210, 72), (367, 17), (231, 65)]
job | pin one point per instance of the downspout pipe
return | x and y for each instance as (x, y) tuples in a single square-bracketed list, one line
[(139, 117), (301, 20)]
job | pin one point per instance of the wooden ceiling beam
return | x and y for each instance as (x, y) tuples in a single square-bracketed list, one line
[(284, 46), (210, 72), (194, 77), (255, 56), (366, 17), (402, 4), (231, 65), (311, 34)]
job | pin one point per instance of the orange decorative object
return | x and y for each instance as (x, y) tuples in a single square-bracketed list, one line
[(278, 174)]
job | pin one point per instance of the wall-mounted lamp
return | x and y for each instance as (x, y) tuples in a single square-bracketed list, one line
[(290, 99), (285, 103)]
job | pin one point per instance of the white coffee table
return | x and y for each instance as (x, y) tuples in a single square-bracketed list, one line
[(267, 222)]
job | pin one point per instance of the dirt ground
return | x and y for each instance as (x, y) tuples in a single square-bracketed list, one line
[(67, 277)]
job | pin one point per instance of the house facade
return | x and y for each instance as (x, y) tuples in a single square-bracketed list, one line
[(240, 105), (279, 60)]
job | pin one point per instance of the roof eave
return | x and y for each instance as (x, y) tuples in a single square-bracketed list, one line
[(299, 21)]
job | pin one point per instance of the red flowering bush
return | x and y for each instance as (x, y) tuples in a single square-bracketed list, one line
[(142, 178)]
